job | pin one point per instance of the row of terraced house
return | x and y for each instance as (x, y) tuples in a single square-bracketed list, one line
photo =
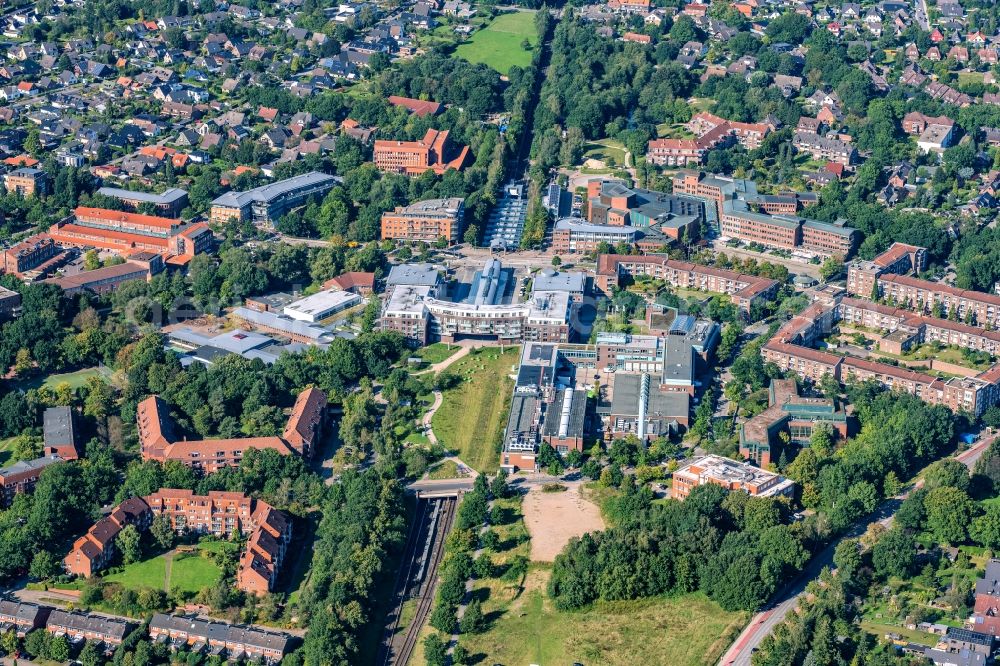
[(234, 642)]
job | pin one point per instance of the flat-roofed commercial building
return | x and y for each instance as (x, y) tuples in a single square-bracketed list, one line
[(321, 305), (281, 326), (572, 235), (59, 433), (169, 203), (731, 475), (426, 221), (267, 203)]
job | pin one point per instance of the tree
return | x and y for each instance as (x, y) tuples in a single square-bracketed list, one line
[(894, 553), (43, 565), (162, 531), (58, 649), (986, 528), (129, 542), (847, 558), (443, 617), (831, 268), (36, 643), (473, 621), (556, 261), (435, 651), (949, 513), (947, 472), (9, 642), (498, 486)]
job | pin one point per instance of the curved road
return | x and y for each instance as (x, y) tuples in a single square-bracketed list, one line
[(785, 601)]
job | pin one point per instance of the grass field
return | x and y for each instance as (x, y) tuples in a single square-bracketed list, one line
[(471, 419), (74, 379), (436, 352), (6, 450), (499, 44), (607, 151), (189, 572), (676, 631)]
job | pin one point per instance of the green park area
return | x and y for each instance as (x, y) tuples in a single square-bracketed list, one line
[(500, 44), (435, 353), (680, 631), (188, 571), (75, 380), (472, 417)]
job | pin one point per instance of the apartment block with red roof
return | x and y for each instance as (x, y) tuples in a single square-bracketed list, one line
[(744, 290), (130, 233), (94, 551), (158, 441), (412, 158), (32, 254)]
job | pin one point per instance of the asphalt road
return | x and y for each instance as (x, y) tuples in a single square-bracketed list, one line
[(764, 622)]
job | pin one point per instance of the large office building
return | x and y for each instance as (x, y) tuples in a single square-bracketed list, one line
[(131, 233), (427, 221), (321, 305), (744, 214), (267, 203), (789, 413), (651, 380), (169, 203), (731, 475), (611, 202), (416, 307), (432, 153)]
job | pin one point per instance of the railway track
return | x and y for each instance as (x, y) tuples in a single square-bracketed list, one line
[(397, 652)]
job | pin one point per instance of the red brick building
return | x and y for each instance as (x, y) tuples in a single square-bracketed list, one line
[(412, 158)]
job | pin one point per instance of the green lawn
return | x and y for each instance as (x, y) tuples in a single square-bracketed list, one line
[(607, 151), (445, 470), (880, 630), (499, 44), (192, 572), (676, 631), (472, 417), (148, 573), (7, 450), (74, 379), (436, 352)]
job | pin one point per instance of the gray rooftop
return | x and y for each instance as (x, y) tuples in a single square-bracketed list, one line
[(30, 465), (550, 280), (170, 196), (285, 324), (272, 191), (413, 275), (57, 423), (220, 632), (662, 404)]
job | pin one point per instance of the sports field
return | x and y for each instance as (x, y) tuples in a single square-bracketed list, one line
[(499, 44), (472, 417)]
